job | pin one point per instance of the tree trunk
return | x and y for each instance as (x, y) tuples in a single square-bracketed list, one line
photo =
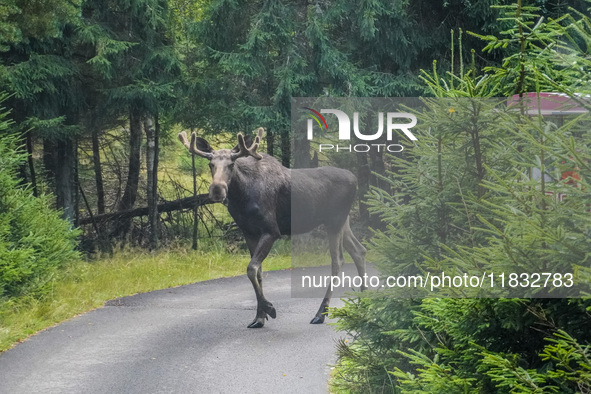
[(168, 206), (156, 162), (30, 177), (98, 172), (363, 174), (301, 151), (22, 175), (135, 142), (196, 210), (64, 178), (270, 142), (49, 157), (377, 167), (32, 172), (133, 174), (152, 174), (285, 149), (76, 183)]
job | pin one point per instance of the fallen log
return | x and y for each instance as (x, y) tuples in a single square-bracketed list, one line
[(167, 206)]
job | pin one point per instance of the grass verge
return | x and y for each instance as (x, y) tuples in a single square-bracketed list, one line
[(84, 286)]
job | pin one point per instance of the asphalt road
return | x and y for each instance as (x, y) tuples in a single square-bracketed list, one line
[(190, 339)]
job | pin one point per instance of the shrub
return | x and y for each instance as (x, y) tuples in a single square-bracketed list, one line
[(34, 241), (507, 221)]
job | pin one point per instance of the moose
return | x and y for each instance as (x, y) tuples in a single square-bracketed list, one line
[(268, 200)]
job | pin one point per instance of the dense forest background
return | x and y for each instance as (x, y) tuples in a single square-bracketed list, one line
[(96, 91)]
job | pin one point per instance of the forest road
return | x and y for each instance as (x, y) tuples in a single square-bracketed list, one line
[(189, 339)]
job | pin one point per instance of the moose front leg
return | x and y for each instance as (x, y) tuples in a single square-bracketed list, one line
[(254, 272)]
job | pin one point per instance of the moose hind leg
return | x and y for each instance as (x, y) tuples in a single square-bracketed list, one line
[(254, 272), (355, 249), (335, 243)]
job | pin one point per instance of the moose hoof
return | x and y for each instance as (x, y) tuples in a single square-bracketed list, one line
[(317, 320), (257, 323)]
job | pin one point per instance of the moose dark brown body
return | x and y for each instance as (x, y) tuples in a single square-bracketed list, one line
[(268, 200)]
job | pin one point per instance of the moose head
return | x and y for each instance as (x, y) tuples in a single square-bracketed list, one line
[(221, 161)]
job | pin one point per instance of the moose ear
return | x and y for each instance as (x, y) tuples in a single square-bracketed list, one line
[(247, 142), (203, 145)]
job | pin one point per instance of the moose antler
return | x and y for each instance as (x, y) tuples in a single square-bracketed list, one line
[(260, 133), (252, 151), (192, 147), (183, 139)]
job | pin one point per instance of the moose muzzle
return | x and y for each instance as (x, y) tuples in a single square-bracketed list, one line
[(218, 192)]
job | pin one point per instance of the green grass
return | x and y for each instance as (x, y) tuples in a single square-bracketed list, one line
[(84, 286)]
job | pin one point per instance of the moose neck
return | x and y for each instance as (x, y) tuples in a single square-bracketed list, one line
[(254, 179), (244, 177)]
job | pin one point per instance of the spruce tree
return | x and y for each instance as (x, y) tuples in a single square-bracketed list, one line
[(455, 215), (41, 72)]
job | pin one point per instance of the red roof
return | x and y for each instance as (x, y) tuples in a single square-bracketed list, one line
[(551, 103)]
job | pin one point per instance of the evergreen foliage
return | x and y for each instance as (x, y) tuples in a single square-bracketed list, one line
[(270, 52), (131, 54), (23, 20), (466, 201), (34, 241)]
